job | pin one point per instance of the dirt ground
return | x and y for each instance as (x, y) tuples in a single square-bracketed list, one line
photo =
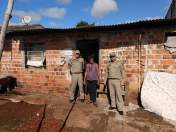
[(15, 114), (27, 113)]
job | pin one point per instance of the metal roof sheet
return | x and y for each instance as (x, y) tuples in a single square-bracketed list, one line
[(134, 25)]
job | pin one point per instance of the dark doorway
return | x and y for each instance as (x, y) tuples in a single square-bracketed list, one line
[(87, 48)]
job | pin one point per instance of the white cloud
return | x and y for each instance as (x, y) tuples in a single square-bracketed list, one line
[(103, 7), (54, 12), (36, 16), (65, 2)]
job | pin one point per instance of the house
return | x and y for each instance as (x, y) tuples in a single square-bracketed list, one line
[(38, 57), (172, 10)]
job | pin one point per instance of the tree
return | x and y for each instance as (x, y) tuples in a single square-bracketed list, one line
[(7, 17), (84, 24)]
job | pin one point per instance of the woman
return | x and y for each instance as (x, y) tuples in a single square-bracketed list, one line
[(92, 78)]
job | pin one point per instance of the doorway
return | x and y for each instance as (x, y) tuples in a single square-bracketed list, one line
[(88, 47)]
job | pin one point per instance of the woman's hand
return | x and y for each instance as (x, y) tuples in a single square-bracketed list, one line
[(84, 82), (98, 82)]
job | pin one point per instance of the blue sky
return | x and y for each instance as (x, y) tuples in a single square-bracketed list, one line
[(66, 13)]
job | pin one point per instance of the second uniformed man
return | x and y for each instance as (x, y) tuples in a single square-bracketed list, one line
[(115, 76), (76, 66)]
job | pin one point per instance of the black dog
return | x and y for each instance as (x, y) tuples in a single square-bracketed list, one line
[(7, 82)]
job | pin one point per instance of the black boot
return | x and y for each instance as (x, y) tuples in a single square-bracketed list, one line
[(121, 113), (112, 108), (71, 101)]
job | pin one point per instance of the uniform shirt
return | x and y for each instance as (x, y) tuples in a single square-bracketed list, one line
[(115, 70), (76, 65)]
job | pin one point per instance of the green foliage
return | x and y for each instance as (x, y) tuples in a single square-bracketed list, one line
[(84, 24)]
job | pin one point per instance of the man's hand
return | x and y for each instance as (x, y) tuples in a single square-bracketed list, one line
[(122, 82), (104, 82)]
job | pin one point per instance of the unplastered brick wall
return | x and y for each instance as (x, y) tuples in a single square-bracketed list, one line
[(49, 79), (140, 52)]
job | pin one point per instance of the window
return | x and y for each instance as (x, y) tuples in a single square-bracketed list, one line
[(34, 55)]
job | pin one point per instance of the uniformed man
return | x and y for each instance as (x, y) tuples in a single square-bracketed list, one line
[(76, 66), (115, 76)]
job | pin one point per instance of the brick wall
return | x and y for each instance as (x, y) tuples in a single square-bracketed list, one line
[(138, 56), (149, 54), (51, 79)]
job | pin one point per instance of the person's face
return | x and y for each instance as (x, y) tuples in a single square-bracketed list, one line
[(77, 55), (91, 60), (113, 59)]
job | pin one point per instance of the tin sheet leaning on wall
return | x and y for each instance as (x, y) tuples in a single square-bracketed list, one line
[(158, 94)]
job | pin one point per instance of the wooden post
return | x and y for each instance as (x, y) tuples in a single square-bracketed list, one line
[(7, 17), (139, 60)]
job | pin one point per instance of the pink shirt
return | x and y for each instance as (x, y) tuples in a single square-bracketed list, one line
[(92, 72)]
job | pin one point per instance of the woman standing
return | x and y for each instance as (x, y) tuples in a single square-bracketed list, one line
[(92, 78)]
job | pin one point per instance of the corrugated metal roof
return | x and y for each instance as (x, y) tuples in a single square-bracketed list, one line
[(134, 25), (14, 28)]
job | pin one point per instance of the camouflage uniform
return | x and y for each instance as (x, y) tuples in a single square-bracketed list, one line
[(76, 67), (115, 74)]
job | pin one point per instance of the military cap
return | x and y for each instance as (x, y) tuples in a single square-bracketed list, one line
[(77, 52), (113, 54)]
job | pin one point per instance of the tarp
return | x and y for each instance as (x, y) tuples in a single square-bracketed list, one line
[(158, 94), (171, 44)]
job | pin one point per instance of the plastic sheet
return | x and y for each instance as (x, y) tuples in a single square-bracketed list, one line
[(158, 94)]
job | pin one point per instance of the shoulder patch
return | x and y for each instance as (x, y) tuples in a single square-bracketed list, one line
[(120, 62), (81, 59)]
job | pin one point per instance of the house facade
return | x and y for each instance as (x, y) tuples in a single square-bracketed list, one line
[(171, 13), (38, 57)]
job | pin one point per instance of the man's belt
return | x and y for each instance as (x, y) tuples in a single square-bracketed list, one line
[(76, 72)]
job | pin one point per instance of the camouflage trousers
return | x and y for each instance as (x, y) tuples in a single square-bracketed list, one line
[(76, 79)]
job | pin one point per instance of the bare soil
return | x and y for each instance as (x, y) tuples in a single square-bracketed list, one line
[(61, 116), (14, 114)]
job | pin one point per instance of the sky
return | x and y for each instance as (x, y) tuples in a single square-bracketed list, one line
[(66, 13)]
